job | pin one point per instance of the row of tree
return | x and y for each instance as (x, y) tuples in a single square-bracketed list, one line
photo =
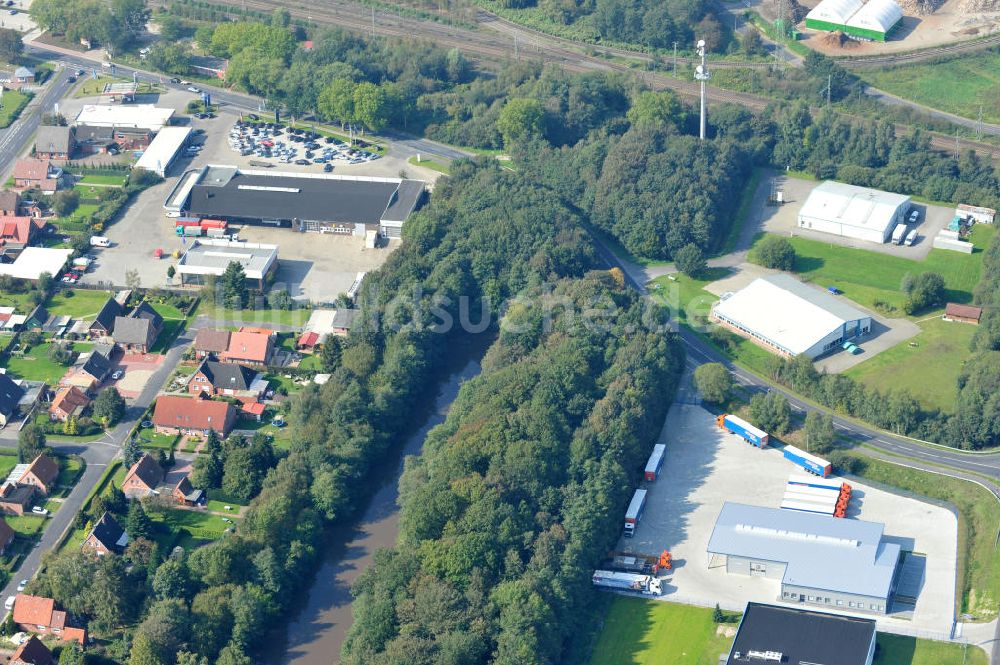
[(113, 24), (518, 495)]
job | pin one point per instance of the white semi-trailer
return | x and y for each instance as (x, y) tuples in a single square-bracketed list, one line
[(644, 584)]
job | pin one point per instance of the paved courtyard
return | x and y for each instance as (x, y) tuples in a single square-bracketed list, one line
[(705, 467)]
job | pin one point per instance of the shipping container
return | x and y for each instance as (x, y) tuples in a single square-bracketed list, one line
[(213, 224), (742, 428), (810, 463), (828, 505), (655, 462), (191, 230), (644, 584), (813, 481), (805, 508), (634, 513)]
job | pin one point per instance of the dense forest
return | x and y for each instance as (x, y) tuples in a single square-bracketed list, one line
[(515, 497)]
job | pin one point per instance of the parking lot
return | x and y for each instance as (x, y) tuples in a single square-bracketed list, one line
[(706, 467), (275, 144), (783, 219)]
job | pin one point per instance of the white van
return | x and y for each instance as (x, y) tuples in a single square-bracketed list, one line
[(9, 603), (99, 241)]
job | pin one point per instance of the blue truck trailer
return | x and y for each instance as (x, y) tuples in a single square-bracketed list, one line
[(743, 429), (811, 463)]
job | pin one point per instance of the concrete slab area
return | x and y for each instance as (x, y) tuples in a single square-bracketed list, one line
[(705, 467), (783, 220)]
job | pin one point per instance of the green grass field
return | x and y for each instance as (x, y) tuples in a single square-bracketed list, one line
[(648, 632), (440, 167), (961, 86), (255, 317), (20, 301), (93, 179), (82, 304), (148, 438), (171, 328), (36, 366), (866, 277), (11, 106), (26, 525), (929, 370), (188, 528)]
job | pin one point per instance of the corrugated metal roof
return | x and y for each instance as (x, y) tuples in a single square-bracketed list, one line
[(788, 313), (828, 553), (860, 207)]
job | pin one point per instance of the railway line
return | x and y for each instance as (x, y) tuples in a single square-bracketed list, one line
[(498, 45), (890, 60)]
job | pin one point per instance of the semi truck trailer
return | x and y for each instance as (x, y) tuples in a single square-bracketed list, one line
[(644, 584), (811, 463), (634, 513), (740, 427), (655, 462)]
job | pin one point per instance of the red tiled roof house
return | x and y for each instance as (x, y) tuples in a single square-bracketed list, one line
[(249, 348), (42, 474), (38, 173), (191, 415), (69, 401), (143, 478), (211, 342), (35, 614)]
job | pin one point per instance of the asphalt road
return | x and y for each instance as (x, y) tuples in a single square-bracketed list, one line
[(97, 454), (14, 138)]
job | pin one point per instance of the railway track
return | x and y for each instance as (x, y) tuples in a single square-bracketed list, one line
[(919, 56), (498, 45)]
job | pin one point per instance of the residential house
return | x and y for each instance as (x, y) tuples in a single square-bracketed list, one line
[(249, 348), (16, 499), (138, 331), (24, 75), (211, 342), (252, 410), (133, 138), (37, 614), (90, 374), (186, 495), (15, 234), (344, 320), (106, 536), (53, 142), (36, 173), (964, 313), (104, 323), (42, 474), (31, 652), (10, 397), (69, 401), (6, 535), (10, 203), (37, 319), (104, 348), (191, 415), (216, 378), (307, 341), (143, 478), (94, 140)]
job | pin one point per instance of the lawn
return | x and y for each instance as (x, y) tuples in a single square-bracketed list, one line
[(7, 462), (78, 303), (94, 179), (26, 525), (866, 277), (20, 301), (648, 632), (431, 164), (171, 328), (70, 469), (961, 86), (219, 504), (928, 365), (256, 317), (312, 362), (148, 438), (188, 528), (11, 106), (36, 366), (167, 311), (901, 650)]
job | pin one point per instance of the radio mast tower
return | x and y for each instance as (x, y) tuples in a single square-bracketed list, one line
[(701, 75)]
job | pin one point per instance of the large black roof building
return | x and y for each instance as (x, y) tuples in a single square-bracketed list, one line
[(303, 201), (775, 634)]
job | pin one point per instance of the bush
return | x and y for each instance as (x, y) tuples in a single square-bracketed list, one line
[(846, 463), (690, 260), (773, 252)]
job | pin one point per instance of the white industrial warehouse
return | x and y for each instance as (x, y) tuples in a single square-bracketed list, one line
[(820, 560), (853, 212), (132, 116), (871, 21), (164, 149), (790, 318)]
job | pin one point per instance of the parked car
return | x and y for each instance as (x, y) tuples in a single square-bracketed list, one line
[(193, 89), (9, 603), (22, 585), (38, 510), (327, 168), (118, 374), (175, 80)]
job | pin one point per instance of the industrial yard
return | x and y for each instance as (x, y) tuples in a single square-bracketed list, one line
[(705, 468)]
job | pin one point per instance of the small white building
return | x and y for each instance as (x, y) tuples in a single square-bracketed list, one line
[(33, 261), (853, 212), (212, 257), (132, 116), (790, 318), (164, 149)]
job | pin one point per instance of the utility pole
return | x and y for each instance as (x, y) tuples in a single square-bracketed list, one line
[(701, 75), (675, 58), (979, 125), (373, 23)]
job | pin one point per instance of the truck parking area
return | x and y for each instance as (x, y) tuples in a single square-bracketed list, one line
[(705, 467)]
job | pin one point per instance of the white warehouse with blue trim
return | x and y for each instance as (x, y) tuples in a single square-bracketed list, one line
[(790, 318)]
